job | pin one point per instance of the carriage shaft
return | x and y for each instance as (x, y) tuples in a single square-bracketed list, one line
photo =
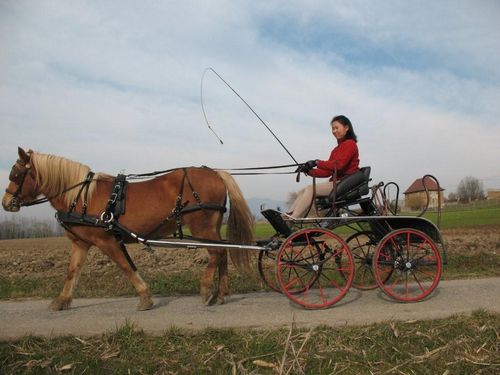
[(196, 245)]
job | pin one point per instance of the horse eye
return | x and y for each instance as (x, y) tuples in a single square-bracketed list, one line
[(14, 176)]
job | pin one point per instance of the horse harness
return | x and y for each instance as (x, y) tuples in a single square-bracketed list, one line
[(115, 207)]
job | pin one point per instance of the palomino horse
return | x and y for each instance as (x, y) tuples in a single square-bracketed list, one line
[(148, 204)]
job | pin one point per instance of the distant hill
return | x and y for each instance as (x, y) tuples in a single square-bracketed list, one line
[(255, 204)]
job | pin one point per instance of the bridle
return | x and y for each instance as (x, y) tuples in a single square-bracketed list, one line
[(18, 179)]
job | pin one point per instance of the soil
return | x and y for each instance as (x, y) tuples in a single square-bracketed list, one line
[(47, 257)]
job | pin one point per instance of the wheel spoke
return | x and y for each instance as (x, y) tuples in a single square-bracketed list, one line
[(418, 282), (432, 275)]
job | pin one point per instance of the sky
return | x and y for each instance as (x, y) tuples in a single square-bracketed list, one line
[(116, 85)]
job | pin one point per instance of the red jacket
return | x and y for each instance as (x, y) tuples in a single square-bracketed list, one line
[(344, 157)]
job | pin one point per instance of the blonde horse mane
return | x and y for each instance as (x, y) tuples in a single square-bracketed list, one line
[(54, 174)]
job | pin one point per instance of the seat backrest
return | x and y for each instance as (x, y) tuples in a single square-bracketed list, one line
[(354, 186)]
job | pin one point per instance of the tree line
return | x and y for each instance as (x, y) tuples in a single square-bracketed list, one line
[(23, 227)]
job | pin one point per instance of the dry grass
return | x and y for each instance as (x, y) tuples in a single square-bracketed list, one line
[(456, 345)]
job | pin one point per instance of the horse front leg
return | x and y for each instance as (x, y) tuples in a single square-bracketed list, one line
[(79, 252), (112, 248)]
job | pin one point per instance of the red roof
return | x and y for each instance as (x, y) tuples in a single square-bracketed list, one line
[(418, 186)]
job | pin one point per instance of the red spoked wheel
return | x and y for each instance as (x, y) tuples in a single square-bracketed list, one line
[(267, 268), (362, 246), (407, 265), (314, 268)]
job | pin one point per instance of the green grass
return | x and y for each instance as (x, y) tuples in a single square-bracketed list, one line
[(456, 345), (26, 287), (171, 284), (463, 266), (460, 219)]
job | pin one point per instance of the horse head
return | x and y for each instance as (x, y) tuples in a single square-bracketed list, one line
[(22, 186)]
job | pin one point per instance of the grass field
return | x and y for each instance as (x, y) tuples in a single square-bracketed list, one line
[(456, 345), (460, 219)]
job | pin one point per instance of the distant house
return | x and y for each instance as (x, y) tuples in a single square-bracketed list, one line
[(493, 194), (416, 198)]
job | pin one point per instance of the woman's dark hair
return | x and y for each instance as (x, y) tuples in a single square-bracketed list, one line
[(346, 122)]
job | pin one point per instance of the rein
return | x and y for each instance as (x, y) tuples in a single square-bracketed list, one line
[(46, 199), (137, 176), (239, 171)]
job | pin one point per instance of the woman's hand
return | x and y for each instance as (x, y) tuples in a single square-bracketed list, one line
[(308, 165)]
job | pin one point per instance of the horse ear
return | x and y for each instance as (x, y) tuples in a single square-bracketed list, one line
[(23, 155)]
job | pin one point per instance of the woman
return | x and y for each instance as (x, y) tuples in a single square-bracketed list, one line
[(344, 158)]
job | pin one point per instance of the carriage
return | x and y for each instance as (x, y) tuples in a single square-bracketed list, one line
[(356, 239)]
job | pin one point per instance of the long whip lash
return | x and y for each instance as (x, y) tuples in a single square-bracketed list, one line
[(243, 100)]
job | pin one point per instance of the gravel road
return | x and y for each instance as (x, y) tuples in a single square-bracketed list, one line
[(94, 316)]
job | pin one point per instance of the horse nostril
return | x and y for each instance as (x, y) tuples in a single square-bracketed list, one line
[(10, 205)]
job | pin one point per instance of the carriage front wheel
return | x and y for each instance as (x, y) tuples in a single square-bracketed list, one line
[(407, 265), (314, 268)]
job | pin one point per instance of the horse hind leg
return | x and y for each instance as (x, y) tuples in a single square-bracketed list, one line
[(217, 260), (79, 252), (112, 248), (207, 292), (211, 295), (223, 278)]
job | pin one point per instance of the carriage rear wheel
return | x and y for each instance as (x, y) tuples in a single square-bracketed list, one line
[(314, 268), (407, 265)]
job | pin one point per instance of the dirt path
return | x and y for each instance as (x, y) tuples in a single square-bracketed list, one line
[(94, 316)]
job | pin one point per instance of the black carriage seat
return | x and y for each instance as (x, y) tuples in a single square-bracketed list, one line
[(349, 189), (353, 186)]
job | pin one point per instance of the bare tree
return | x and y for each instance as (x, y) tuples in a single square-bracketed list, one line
[(470, 189), (22, 227)]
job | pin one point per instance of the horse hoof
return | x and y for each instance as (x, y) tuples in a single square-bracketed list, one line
[(59, 304), (210, 300), (145, 304)]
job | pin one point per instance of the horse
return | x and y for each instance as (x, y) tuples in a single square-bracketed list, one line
[(149, 207)]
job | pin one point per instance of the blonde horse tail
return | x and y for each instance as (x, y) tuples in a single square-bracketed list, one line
[(239, 224)]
